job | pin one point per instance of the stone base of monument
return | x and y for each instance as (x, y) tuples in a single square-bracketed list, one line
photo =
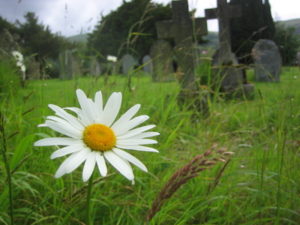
[(229, 78), (245, 91), (194, 100)]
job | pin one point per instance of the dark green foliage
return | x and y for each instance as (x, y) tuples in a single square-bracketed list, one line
[(5, 25), (38, 39), (255, 23), (10, 81), (288, 43), (130, 28)]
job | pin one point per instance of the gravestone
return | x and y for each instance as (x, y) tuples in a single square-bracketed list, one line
[(95, 69), (66, 67), (147, 64), (267, 61), (33, 69), (183, 29), (227, 76), (162, 60), (128, 63)]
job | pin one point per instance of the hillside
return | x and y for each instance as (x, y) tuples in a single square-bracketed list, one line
[(292, 23), (79, 38)]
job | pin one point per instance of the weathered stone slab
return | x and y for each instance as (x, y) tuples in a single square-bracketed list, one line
[(267, 61), (147, 64), (70, 65), (95, 68), (162, 59), (128, 63)]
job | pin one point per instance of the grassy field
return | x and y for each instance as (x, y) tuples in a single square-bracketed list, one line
[(260, 184)]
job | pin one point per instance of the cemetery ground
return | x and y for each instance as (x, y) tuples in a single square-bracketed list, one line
[(259, 185)]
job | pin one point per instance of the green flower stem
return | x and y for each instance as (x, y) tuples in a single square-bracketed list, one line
[(7, 168), (88, 201)]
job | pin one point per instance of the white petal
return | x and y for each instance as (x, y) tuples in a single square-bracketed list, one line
[(101, 164), (136, 142), (56, 141), (66, 125), (146, 135), (122, 166), (99, 102), (71, 163), (130, 158), (137, 148), (83, 118), (64, 128), (67, 150), (130, 124), (93, 109), (126, 116), (76, 159), (89, 166), (68, 117), (136, 131), (85, 106), (111, 109)]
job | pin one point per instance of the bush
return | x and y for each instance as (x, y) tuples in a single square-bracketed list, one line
[(10, 80)]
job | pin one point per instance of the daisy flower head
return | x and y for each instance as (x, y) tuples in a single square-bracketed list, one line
[(93, 135), (17, 55)]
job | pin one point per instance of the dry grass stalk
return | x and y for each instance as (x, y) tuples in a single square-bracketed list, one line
[(199, 163)]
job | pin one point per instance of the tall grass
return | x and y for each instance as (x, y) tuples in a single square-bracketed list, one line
[(260, 185)]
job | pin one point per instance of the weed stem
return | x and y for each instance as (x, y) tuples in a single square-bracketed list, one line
[(88, 201), (7, 168)]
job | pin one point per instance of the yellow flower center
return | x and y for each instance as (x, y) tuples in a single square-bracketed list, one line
[(99, 137)]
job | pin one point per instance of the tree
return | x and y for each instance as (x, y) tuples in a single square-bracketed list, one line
[(255, 23), (5, 25), (38, 39), (288, 43), (130, 28)]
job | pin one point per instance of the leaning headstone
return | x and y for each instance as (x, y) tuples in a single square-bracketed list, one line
[(227, 76), (267, 61), (183, 30), (66, 68), (95, 69), (33, 69), (128, 63), (76, 62), (147, 64), (162, 61)]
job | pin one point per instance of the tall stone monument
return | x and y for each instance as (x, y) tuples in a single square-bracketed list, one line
[(183, 29), (65, 64), (162, 59), (228, 77)]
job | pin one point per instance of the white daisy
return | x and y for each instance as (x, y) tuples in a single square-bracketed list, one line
[(18, 55), (95, 136)]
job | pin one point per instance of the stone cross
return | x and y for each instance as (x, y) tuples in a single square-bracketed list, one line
[(183, 29), (229, 77), (224, 13)]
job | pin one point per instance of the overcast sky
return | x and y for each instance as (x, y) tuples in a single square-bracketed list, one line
[(70, 17)]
